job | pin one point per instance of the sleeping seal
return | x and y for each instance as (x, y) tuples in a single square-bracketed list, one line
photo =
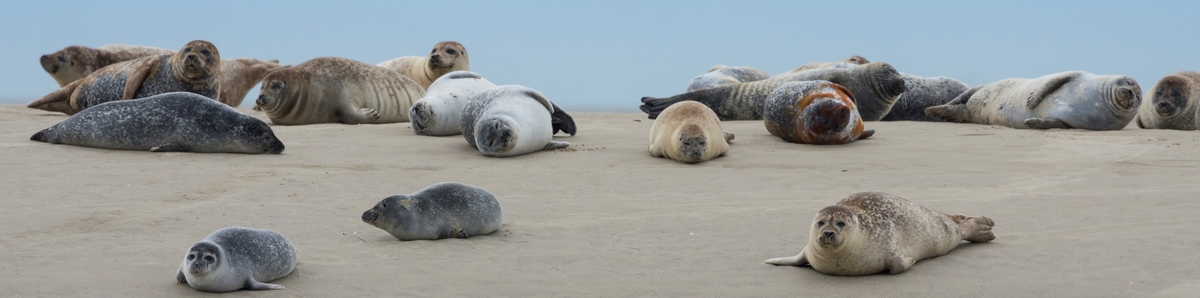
[(439, 113), (513, 120), (1072, 99)]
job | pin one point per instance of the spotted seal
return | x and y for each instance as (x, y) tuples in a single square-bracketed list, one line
[(721, 75), (1172, 103), (813, 112), (513, 120), (235, 258), (443, 210), (336, 90)]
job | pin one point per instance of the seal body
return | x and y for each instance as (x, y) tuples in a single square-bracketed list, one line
[(336, 90), (813, 112), (872, 232), (446, 56), (1172, 103), (922, 93), (1073, 99), (513, 120), (721, 75), (240, 75), (75, 62), (688, 132), (236, 258), (177, 121), (443, 210), (852, 60), (439, 113)]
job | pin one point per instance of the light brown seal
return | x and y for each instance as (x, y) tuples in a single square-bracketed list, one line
[(855, 60), (240, 75), (75, 62), (446, 56), (1072, 99), (814, 112), (1173, 103), (336, 90), (688, 132)]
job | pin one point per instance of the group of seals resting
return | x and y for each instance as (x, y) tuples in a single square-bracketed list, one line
[(513, 120), (439, 113), (1173, 103), (447, 56), (1072, 99), (235, 258), (336, 90), (688, 132), (443, 210), (813, 112)]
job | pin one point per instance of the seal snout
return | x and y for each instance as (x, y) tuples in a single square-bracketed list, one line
[(826, 118), (495, 136), (48, 64), (370, 216), (275, 147), (1125, 97)]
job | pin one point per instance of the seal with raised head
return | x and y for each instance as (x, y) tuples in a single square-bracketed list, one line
[(443, 210), (875, 86), (1072, 99), (439, 113), (192, 69), (240, 75), (923, 92), (336, 90), (446, 56), (814, 112), (75, 62), (169, 122), (721, 75), (235, 258), (1173, 103), (688, 132), (513, 120), (872, 232), (853, 60)]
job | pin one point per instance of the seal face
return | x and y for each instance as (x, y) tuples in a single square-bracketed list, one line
[(688, 132), (721, 75), (872, 232), (176, 121), (443, 210), (1072, 99), (439, 113), (1172, 103), (923, 92), (814, 112), (336, 90), (235, 258), (446, 56), (513, 120), (240, 75)]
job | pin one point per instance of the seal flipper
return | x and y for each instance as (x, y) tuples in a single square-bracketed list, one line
[(729, 137), (655, 150), (351, 115), (1045, 123), (40, 136), (172, 147), (556, 145), (866, 134), (254, 285), (179, 276), (561, 121), (898, 263), (654, 106), (955, 110), (137, 76), (59, 100), (797, 260), (1041, 92)]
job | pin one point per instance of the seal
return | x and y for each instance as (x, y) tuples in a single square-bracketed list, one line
[(688, 132), (1173, 103), (1072, 99), (513, 120), (169, 122), (814, 112), (240, 75), (853, 60), (75, 62), (439, 113), (193, 69), (923, 92), (721, 75), (876, 86), (443, 210), (447, 56), (872, 232), (336, 90), (235, 258)]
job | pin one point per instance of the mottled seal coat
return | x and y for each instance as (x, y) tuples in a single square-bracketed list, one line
[(192, 69), (923, 92), (1072, 99), (721, 75), (814, 112), (75, 62), (439, 113), (872, 232), (688, 132), (513, 120), (177, 121), (875, 86), (853, 60), (443, 210), (446, 56), (1172, 103), (236, 258), (240, 75), (336, 90)]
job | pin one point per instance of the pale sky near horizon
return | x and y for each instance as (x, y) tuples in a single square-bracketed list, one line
[(606, 55)]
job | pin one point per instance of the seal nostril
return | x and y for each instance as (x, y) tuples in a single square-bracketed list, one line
[(828, 234)]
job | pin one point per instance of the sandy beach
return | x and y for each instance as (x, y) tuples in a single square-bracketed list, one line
[(1078, 213)]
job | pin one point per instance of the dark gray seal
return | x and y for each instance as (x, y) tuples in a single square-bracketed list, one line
[(1172, 103), (513, 120), (923, 92), (443, 210), (721, 75), (236, 258), (1072, 99)]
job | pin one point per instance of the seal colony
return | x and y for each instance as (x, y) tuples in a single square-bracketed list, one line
[(236, 258)]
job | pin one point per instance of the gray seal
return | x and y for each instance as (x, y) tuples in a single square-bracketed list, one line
[(1172, 103), (923, 92), (814, 112), (235, 258), (177, 121), (513, 120), (721, 75), (1072, 99), (443, 210), (439, 113)]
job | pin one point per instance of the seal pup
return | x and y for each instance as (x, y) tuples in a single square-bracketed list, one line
[(443, 210), (75, 62), (235, 258), (814, 112), (240, 75), (439, 113), (193, 69), (1172, 103), (446, 56), (513, 120), (336, 90), (853, 60), (923, 92), (875, 87), (1072, 99), (872, 232), (169, 122), (688, 132), (721, 75)]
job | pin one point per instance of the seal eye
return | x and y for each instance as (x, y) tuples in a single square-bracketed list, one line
[(433, 51), (451, 52), (191, 257), (841, 224), (821, 223), (275, 86), (209, 259), (187, 49), (205, 52)]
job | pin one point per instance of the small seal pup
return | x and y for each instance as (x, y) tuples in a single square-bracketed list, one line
[(853, 60), (169, 122), (447, 56), (1173, 103), (439, 113), (240, 75), (688, 132), (235, 258), (721, 75), (193, 69), (872, 232), (336, 90), (443, 210), (1072, 99), (813, 112), (75, 62), (513, 120), (875, 87), (923, 92)]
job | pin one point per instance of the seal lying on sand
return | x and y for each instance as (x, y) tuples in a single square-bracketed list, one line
[(443, 210), (688, 132), (447, 56), (1172, 103), (721, 75), (336, 90), (1072, 99), (439, 113), (236, 258), (813, 112), (513, 120)]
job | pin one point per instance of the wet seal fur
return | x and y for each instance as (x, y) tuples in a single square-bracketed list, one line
[(513, 120), (721, 75), (688, 132), (170, 122), (872, 232), (439, 113), (443, 210), (814, 112), (447, 56), (1072, 99), (336, 90), (1173, 103), (854, 60), (236, 258)]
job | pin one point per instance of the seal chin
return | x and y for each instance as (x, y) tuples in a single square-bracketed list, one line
[(49, 65), (1164, 108)]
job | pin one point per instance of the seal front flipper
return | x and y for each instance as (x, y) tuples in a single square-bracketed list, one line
[(459, 233), (59, 100), (179, 276), (797, 260), (137, 76), (656, 150), (560, 121), (1041, 92), (172, 147), (1045, 123), (556, 145), (254, 285), (359, 116), (898, 263)]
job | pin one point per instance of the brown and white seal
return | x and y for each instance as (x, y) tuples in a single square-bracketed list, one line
[(446, 56), (240, 75), (75, 62), (336, 90), (443, 210), (813, 112), (688, 132), (1072, 99), (1172, 103), (721, 75), (854, 60), (236, 258)]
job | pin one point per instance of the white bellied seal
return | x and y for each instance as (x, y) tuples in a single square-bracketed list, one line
[(1072, 99), (439, 113), (721, 75), (513, 120), (236, 258)]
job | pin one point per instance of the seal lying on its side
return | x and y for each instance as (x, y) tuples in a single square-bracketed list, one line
[(922, 93), (1072, 99), (439, 113), (236, 258), (1173, 103), (513, 120), (336, 90), (688, 132), (721, 75), (75, 62), (814, 112), (853, 60), (443, 210)]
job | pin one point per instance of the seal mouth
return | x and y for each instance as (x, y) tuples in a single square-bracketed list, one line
[(1164, 108), (48, 64), (370, 216)]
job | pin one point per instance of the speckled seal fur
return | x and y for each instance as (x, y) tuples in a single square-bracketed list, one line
[(854, 60), (446, 56), (813, 112), (688, 132), (922, 93), (1172, 103), (721, 75), (336, 90), (872, 232), (1072, 99), (443, 210), (235, 258), (513, 120), (439, 113), (76, 62), (240, 75)]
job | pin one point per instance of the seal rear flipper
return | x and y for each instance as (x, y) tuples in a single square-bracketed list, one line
[(729, 137), (254, 285), (1045, 123), (1042, 91), (556, 145), (866, 134), (654, 106), (59, 100), (976, 229), (172, 147), (40, 136), (797, 260), (1139, 122), (560, 121)]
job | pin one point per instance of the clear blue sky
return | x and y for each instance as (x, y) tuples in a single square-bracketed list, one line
[(606, 55)]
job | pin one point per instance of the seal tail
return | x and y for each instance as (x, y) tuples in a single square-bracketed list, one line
[(57, 101), (654, 106), (975, 229), (40, 136), (560, 121)]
